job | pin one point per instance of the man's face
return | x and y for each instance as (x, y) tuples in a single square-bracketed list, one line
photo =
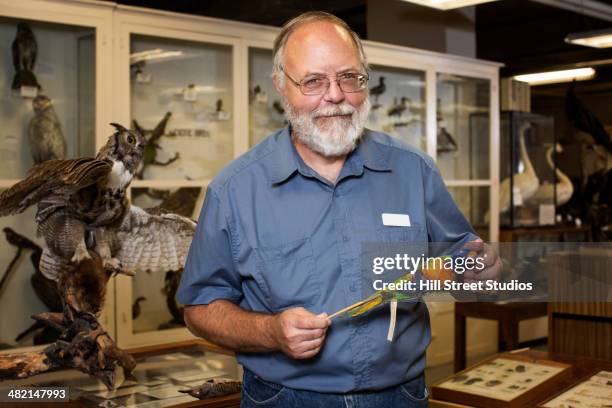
[(329, 124)]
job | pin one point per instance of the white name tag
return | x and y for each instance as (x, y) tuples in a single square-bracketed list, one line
[(396, 220)]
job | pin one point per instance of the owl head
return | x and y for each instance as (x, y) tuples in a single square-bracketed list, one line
[(124, 145), (40, 103)]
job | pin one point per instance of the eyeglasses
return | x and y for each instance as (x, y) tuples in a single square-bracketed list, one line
[(317, 85)]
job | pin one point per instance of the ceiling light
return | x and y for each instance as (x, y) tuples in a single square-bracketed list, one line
[(553, 77), (447, 4), (596, 38)]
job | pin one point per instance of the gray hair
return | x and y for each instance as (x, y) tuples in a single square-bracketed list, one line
[(278, 52)]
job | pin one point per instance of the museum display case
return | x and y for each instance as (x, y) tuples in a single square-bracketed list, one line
[(200, 91), (531, 186), (51, 107)]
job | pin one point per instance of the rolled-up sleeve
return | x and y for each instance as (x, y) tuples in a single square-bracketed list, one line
[(210, 272), (445, 222)]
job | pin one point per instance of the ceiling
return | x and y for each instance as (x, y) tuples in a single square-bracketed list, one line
[(526, 36)]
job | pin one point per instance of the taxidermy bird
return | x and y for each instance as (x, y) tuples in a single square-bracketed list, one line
[(446, 141), (24, 50), (45, 132), (379, 89), (215, 387), (526, 181), (563, 189), (583, 119), (278, 107), (152, 145), (136, 309), (399, 109), (91, 232)]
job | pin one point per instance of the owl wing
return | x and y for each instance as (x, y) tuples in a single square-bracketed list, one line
[(153, 241), (53, 177)]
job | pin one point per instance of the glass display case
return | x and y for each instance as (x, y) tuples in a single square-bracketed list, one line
[(531, 186), (266, 113), (48, 111), (161, 376), (181, 96), (474, 204), (51, 101), (463, 127), (397, 98)]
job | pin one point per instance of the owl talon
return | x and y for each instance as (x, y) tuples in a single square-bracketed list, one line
[(111, 264), (80, 254)]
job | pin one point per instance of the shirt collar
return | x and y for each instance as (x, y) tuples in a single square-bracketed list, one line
[(368, 154)]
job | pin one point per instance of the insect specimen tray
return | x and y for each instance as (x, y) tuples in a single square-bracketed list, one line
[(504, 381)]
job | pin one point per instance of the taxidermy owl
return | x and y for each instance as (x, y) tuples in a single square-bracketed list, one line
[(45, 132), (24, 57), (86, 220)]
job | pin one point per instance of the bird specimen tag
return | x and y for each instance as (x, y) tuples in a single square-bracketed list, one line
[(143, 78), (396, 220), (223, 115), (262, 97), (28, 91), (392, 319), (190, 94)]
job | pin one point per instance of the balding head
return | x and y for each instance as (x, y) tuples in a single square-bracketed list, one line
[(311, 17)]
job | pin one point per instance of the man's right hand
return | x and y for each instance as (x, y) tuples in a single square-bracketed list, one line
[(300, 333)]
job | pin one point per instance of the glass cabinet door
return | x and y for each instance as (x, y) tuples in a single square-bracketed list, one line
[(397, 98), (154, 306), (48, 94), (474, 203), (47, 111), (463, 132), (266, 113), (182, 98)]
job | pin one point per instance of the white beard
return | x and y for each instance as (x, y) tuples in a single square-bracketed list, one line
[(338, 136)]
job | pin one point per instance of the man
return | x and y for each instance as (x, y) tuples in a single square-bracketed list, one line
[(278, 243)]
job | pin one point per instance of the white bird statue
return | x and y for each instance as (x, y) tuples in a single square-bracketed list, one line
[(563, 187), (526, 181)]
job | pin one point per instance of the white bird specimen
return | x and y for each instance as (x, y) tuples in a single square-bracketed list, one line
[(563, 187), (526, 181)]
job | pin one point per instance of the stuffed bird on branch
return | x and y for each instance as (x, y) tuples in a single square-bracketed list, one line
[(91, 232)]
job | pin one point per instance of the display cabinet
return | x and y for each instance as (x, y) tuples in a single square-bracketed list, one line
[(531, 186), (201, 92), (53, 93)]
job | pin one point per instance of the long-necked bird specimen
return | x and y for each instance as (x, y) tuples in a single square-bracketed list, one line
[(563, 188), (45, 132), (24, 50), (152, 145), (91, 232), (583, 119), (171, 284), (379, 89), (526, 181)]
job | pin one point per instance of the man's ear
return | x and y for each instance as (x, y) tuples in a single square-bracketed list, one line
[(277, 86)]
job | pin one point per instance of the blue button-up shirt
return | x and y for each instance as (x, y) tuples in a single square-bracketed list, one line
[(273, 234)]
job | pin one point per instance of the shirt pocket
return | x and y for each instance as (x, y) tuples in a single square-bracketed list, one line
[(286, 274), (416, 234)]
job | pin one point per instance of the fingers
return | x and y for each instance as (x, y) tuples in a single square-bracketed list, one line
[(301, 333)]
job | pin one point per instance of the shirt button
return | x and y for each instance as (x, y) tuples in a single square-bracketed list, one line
[(353, 287), (345, 238)]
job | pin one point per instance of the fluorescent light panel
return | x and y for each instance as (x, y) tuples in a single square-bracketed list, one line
[(595, 39), (552, 77), (447, 4)]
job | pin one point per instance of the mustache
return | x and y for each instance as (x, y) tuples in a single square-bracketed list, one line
[(337, 110)]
